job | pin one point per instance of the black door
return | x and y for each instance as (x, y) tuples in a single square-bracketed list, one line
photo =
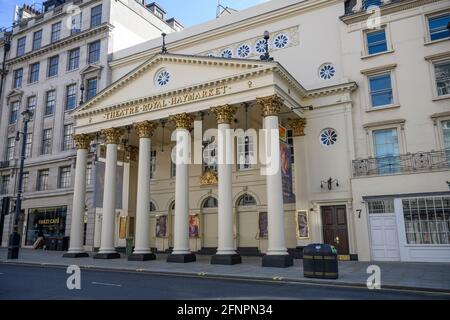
[(334, 223)]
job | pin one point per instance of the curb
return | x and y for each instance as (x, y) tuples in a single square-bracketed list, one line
[(204, 275)]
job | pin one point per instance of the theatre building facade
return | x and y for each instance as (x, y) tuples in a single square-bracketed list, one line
[(357, 116)]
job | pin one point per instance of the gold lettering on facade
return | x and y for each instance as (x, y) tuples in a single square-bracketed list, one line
[(164, 103)]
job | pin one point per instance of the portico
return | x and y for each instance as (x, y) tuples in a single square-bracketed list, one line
[(136, 104)]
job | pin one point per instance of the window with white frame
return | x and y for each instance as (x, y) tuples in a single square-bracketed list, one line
[(14, 112), (18, 77), (376, 41), (37, 39), (246, 200), (67, 137), (64, 177), (47, 141), (246, 152), (34, 72), (96, 16), (446, 133), (442, 77), (89, 173), (25, 181), (21, 46), (4, 188), (50, 102), (28, 144), (76, 24), (10, 148), (380, 206), (31, 104), (71, 97), (437, 26), (427, 220), (56, 32), (152, 164), (94, 52), (73, 59), (386, 147), (209, 156), (91, 88), (52, 70), (42, 183), (380, 89)]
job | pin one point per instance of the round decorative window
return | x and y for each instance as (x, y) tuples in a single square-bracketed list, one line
[(210, 54), (162, 78), (328, 137), (243, 51), (327, 71), (260, 46), (227, 53), (281, 41)]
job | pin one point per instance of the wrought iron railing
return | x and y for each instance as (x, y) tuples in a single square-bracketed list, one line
[(411, 162)]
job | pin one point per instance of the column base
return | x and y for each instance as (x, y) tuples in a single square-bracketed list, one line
[(75, 255), (142, 257), (182, 258), (277, 261), (226, 259), (107, 256)]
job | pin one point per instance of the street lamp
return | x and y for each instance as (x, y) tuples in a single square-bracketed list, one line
[(14, 238), (266, 56)]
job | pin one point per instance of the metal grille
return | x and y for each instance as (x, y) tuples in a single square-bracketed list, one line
[(412, 162), (427, 220), (380, 206)]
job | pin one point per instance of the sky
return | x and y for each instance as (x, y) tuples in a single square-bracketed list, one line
[(187, 12)]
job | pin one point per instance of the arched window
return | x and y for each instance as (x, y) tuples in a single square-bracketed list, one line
[(152, 206), (172, 206), (246, 200), (210, 202)]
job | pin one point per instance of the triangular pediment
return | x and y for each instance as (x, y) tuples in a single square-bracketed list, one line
[(15, 93), (182, 72), (91, 68)]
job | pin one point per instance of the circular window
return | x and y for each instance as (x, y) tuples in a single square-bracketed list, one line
[(328, 137), (327, 71), (227, 53), (281, 41), (260, 46), (162, 78), (243, 51)]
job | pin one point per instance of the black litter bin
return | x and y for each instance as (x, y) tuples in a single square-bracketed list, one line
[(62, 244), (51, 243), (320, 261)]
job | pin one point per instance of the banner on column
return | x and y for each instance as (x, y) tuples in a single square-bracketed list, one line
[(100, 185), (286, 173), (262, 222)]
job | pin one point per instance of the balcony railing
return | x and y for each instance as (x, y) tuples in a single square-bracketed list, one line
[(411, 162)]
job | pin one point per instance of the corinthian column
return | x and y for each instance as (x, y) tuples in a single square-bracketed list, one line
[(277, 255), (226, 253), (301, 195), (76, 249), (142, 250), (107, 248), (181, 252)]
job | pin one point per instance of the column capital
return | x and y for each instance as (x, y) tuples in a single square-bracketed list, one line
[(182, 120), (145, 129), (112, 135), (224, 114), (297, 126), (270, 106), (82, 141)]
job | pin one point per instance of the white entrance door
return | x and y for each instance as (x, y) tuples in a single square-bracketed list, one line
[(384, 238)]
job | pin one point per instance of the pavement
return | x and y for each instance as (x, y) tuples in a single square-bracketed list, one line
[(431, 277)]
